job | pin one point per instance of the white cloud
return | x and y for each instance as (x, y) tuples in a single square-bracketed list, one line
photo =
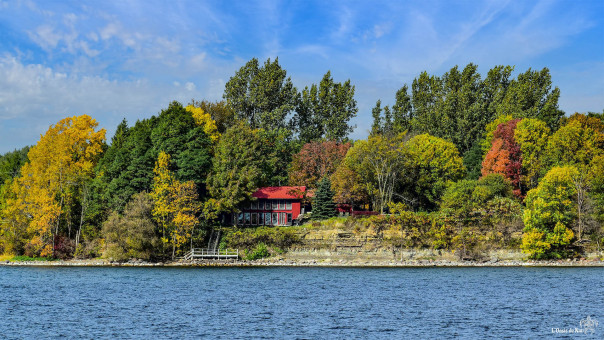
[(190, 86), (38, 96), (46, 37)]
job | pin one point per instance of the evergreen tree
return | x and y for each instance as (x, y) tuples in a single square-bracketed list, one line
[(324, 207)]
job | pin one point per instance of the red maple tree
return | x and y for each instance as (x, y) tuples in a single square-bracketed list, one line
[(316, 160), (505, 156)]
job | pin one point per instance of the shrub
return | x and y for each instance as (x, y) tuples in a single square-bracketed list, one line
[(260, 252), (249, 238)]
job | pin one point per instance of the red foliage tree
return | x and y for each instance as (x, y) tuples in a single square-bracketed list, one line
[(505, 156), (316, 160)]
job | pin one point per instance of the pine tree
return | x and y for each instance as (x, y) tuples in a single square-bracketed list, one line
[(324, 207)]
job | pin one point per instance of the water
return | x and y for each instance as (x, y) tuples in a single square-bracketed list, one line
[(334, 303)]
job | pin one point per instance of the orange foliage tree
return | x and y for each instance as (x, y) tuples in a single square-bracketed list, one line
[(505, 156), (316, 160)]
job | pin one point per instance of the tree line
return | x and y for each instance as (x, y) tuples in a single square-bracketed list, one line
[(476, 155)]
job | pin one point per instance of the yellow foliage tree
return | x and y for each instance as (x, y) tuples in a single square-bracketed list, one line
[(62, 161), (175, 205), (205, 120)]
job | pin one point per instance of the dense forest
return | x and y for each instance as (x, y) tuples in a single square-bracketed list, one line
[(457, 161)]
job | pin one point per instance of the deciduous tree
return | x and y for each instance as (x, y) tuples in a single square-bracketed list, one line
[(237, 169), (59, 164), (430, 164), (175, 206), (378, 161), (262, 96), (505, 156), (132, 235), (532, 136), (315, 161), (325, 111), (550, 211)]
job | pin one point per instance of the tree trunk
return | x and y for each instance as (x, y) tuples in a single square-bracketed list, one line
[(83, 204)]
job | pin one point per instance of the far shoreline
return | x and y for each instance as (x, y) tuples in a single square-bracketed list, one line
[(311, 263)]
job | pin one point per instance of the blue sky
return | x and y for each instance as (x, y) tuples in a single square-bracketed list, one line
[(116, 59)]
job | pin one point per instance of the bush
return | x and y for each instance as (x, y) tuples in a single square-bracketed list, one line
[(133, 234), (260, 252), (23, 258), (249, 238)]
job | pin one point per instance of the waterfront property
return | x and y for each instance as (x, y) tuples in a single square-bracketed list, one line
[(274, 206)]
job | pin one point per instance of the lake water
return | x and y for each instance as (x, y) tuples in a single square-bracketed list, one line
[(300, 302)]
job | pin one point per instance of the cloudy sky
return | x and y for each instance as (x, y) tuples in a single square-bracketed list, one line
[(128, 58)]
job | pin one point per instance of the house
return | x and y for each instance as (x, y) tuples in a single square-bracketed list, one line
[(279, 206)]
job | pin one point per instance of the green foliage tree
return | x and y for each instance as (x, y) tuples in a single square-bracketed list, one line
[(378, 163), (177, 134), (323, 204), (550, 210), (11, 163), (276, 151), (237, 169), (377, 127), (262, 96), (175, 204), (431, 163), (127, 166), (222, 114), (530, 95), (576, 143), (485, 208), (132, 235), (454, 107), (532, 136), (402, 110), (466, 198), (324, 111)]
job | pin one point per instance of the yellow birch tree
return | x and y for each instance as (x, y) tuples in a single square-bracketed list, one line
[(175, 205), (61, 161)]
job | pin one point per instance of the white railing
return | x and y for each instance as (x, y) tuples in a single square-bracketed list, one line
[(211, 253)]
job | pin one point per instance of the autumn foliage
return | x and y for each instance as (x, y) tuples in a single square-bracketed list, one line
[(165, 184), (59, 167), (315, 161), (505, 156)]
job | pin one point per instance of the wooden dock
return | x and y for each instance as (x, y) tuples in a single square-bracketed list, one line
[(204, 253)]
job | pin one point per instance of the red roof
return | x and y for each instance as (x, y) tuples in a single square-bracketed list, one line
[(280, 192)]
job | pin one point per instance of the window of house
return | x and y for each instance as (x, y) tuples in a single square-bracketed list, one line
[(281, 204), (261, 219), (254, 219), (275, 222), (275, 204), (289, 219), (260, 205), (247, 219), (288, 205), (240, 219), (254, 205), (267, 218)]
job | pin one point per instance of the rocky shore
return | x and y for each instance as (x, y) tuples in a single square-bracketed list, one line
[(281, 262)]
